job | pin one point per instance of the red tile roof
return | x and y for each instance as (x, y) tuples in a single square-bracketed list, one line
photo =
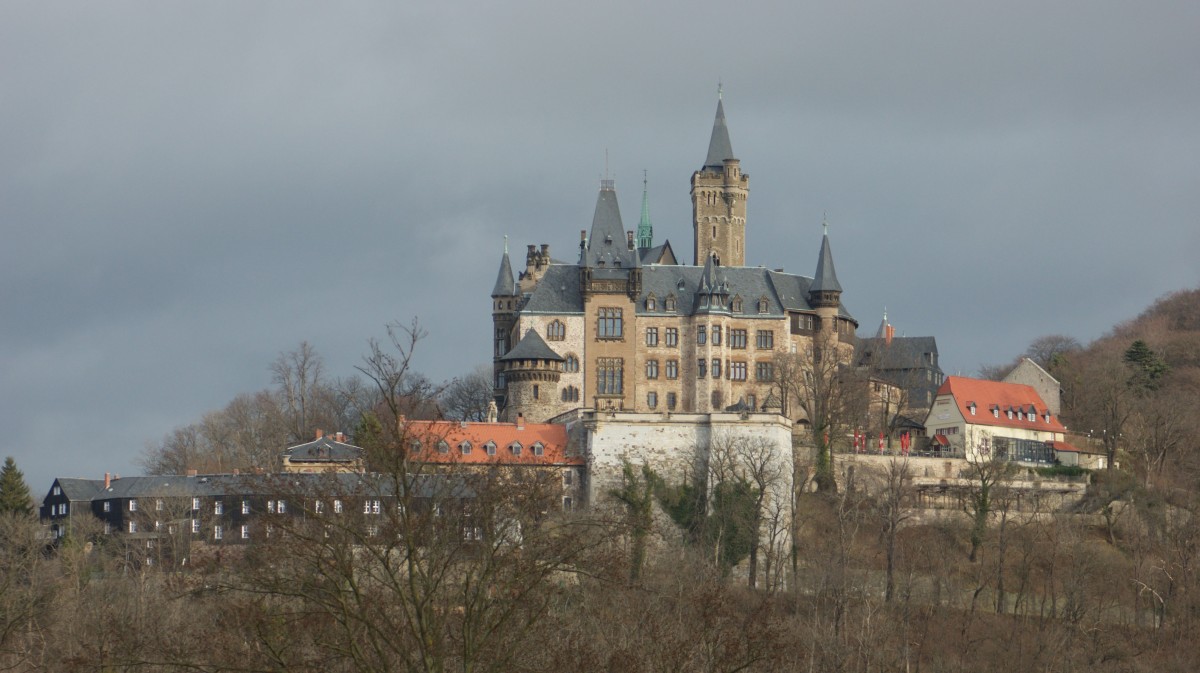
[(989, 395), (430, 434)]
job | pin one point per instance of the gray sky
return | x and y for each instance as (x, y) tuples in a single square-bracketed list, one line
[(188, 189)]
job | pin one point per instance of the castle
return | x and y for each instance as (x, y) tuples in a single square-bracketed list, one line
[(626, 327)]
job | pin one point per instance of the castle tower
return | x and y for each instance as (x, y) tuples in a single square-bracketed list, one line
[(719, 193), (531, 371), (825, 295), (505, 303)]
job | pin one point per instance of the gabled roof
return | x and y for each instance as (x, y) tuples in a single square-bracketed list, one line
[(430, 434), (989, 395), (659, 254), (324, 450), (531, 347), (719, 147), (901, 353), (243, 485)]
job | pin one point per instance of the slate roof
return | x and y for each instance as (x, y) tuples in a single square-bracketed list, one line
[(826, 277), (324, 450), (719, 147), (505, 285), (902, 353), (607, 244), (531, 347), (211, 485), (657, 254), (558, 291)]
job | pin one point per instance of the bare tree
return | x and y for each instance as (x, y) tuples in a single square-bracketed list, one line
[(297, 375), (894, 507), (467, 398), (986, 494)]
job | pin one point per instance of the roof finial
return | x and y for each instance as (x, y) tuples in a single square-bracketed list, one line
[(506, 244), (824, 224), (720, 92)]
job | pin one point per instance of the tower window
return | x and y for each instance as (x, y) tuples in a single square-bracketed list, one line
[(716, 335), (536, 391), (556, 331), (716, 368)]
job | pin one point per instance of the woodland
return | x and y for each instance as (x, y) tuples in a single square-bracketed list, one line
[(871, 581)]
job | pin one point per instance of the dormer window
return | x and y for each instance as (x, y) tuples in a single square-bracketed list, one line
[(414, 446), (669, 304), (538, 449), (515, 447), (737, 304), (443, 447), (763, 307), (465, 447), (651, 303), (971, 407), (490, 447)]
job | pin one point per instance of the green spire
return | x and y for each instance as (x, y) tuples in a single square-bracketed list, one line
[(645, 232)]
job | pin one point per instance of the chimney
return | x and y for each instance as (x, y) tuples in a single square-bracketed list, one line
[(192, 473), (236, 472), (629, 239), (339, 437), (888, 334), (320, 433), (520, 421), (107, 480)]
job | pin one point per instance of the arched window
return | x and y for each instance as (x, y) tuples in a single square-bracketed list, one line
[(556, 331), (571, 364), (570, 394)]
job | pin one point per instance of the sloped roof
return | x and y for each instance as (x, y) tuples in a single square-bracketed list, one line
[(553, 438), (607, 243), (505, 285), (209, 485), (902, 353), (825, 279), (531, 347), (324, 450), (1002, 396), (719, 147)]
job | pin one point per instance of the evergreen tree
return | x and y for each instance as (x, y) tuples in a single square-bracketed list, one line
[(1148, 368), (14, 492)]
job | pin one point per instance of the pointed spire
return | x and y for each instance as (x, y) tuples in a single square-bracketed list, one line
[(607, 241), (719, 148), (645, 232), (825, 279), (882, 332), (505, 285)]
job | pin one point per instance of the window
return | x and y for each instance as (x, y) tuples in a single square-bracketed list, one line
[(132, 505), (337, 506), (465, 447), (318, 507), (133, 526), (491, 448), (651, 303), (737, 339), (556, 331), (218, 507), (716, 399), (716, 337), (701, 335), (375, 507), (764, 371), (566, 503), (570, 394), (652, 399), (651, 336), (763, 307), (672, 336), (700, 368), (218, 533), (443, 447), (752, 402), (672, 369), (671, 401), (608, 324), (971, 408), (651, 369), (158, 505), (669, 304), (716, 368), (281, 507), (803, 322), (610, 373), (245, 532), (107, 506), (568, 477), (195, 504), (737, 371), (57, 490), (195, 525), (765, 340), (737, 304), (245, 507), (539, 449), (515, 447), (572, 363)]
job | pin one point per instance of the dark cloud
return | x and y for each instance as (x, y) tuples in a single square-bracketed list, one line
[(187, 190)]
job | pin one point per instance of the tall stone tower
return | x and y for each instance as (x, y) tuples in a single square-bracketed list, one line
[(532, 371), (719, 193), (505, 304)]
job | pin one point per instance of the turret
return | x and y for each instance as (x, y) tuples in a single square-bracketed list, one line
[(645, 231), (825, 293), (531, 371), (505, 304)]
